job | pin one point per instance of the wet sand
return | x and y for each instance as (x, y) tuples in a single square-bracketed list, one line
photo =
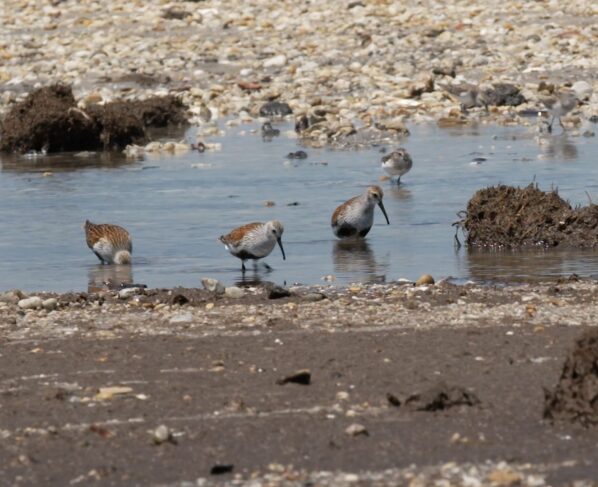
[(208, 371)]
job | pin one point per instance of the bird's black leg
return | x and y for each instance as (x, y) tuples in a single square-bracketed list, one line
[(550, 125), (268, 268), (243, 266), (561, 124), (399, 181)]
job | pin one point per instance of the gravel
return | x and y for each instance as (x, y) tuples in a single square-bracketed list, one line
[(342, 65)]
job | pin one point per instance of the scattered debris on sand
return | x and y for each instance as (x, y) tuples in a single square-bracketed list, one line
[(441, 397), (508, 217)]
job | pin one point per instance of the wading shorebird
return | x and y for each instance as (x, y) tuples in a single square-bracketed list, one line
[(397, 163), (559, 105), (111, 243), (355, 217), (254, 241)]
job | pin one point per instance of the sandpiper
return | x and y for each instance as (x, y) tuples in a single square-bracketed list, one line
[(397, 163), (559, 105), (111, 243), (355, 217), (254, 241)]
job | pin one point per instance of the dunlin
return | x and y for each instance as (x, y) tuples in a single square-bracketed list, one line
[(559, 105), (111, 243), (254, 241), (355, 217), (397, 163)]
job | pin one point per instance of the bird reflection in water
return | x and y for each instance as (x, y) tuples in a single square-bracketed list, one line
[(110, 277), (248, 279), (355, 257), (558, 147), (400, 192)]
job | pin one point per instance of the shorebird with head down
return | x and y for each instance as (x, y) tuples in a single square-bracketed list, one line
[(111, 243), (397, 163), (254, 241), (355, 217)]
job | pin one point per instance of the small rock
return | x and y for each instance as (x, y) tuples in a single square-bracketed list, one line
[(393, 125), (297, 155), (269, 204), (313, 297), (275, 61), (582, 89), (128, 292), (181, 318), (504, 478), (50, 304), (269, 131), (34, 302), (425, 279), (234, 292), (107, 393), (277, 292), (300, 377), (275, 109), (12, 297), (213, 285), (356, 429), (162, 434)]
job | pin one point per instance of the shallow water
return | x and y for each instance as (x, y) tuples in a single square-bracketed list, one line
[(175, 207)]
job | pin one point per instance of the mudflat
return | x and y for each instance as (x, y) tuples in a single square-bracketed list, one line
[(387, 384)]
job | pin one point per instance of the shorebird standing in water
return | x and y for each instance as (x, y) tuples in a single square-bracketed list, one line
[(254, 241), (111, 243), (397, 163), (355, 217), (559, 105)]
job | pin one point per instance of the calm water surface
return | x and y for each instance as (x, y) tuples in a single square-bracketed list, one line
[(176, 206)]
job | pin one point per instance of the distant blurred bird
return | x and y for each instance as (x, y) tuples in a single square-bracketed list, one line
[(397, 163), (355, 217), (469, 96), (111, 243), (558, 105)]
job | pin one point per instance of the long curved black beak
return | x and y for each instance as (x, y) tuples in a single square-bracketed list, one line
[(384, 211), (284, 257)]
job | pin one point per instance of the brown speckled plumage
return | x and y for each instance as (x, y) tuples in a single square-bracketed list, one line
[(111, 243), (117, 235), (235, 236)]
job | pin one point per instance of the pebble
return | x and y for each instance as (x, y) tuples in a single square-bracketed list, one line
[(212, 285), (314, 297), (277, 292), (128, 292), (234, 292), (34, 302), (356, 429), (181, 318), (275, 109), (275, 61), (425, 279), (161, 434), (50, 304), (11, 297)]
